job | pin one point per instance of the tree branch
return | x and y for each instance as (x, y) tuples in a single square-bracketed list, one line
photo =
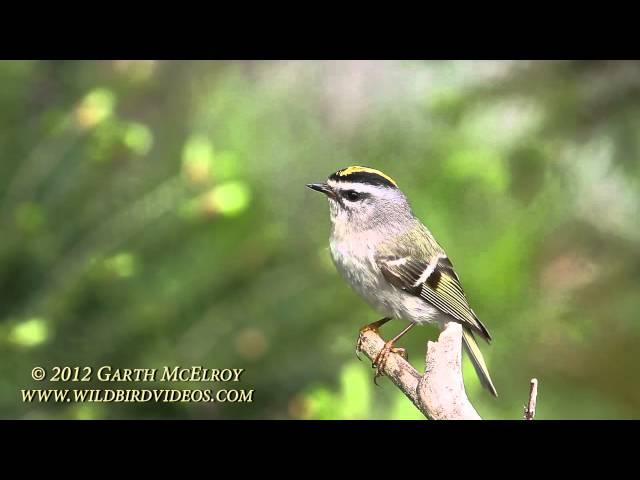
[(530, 409), (441, 389), (439, 394), (401, 372)]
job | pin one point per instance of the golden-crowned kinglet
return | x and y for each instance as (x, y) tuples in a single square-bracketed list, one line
[(391, 259)]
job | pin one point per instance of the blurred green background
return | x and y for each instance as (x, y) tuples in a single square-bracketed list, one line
[(154, 213)]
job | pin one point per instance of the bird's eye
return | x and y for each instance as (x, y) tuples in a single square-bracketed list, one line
[(351, 195)]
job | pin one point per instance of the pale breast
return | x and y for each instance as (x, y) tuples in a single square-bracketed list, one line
[(355, 261)]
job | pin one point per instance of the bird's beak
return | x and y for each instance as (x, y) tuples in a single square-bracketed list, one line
[(322, 187)]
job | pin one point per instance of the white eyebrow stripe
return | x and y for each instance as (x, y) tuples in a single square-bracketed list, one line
[(429, 270), (357, 186)]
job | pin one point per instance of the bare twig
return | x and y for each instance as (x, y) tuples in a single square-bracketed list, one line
[(530, 409), (439, 394)]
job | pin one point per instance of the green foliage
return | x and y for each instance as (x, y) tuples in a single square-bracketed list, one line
[(154, 213), (356, 400)]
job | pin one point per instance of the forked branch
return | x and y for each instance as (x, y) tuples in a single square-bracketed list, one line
[(439, 394)]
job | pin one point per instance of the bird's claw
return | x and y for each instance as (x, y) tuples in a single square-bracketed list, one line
[(381, 359), (372, 327)]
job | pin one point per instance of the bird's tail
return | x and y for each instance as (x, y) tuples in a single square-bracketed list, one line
[(477, 360)]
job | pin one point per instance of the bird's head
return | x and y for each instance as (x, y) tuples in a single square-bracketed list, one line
[(362, 198)]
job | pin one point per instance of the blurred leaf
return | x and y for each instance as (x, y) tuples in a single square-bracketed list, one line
[(29, 333), (138, 138), (97, 106), (480, 166), (197, 159)]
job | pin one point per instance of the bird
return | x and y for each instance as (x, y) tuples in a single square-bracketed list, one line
[(392, 260)]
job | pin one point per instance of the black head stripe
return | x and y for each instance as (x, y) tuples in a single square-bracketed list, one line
[(368, 178)]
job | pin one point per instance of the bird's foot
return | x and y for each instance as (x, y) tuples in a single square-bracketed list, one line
[(381, 359), (372, 327)]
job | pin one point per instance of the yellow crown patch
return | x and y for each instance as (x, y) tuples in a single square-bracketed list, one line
[(358, 169)]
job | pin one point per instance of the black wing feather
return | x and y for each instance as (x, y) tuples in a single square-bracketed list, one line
[(441, 289)]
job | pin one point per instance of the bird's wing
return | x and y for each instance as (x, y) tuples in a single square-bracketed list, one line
[(435, 281)]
